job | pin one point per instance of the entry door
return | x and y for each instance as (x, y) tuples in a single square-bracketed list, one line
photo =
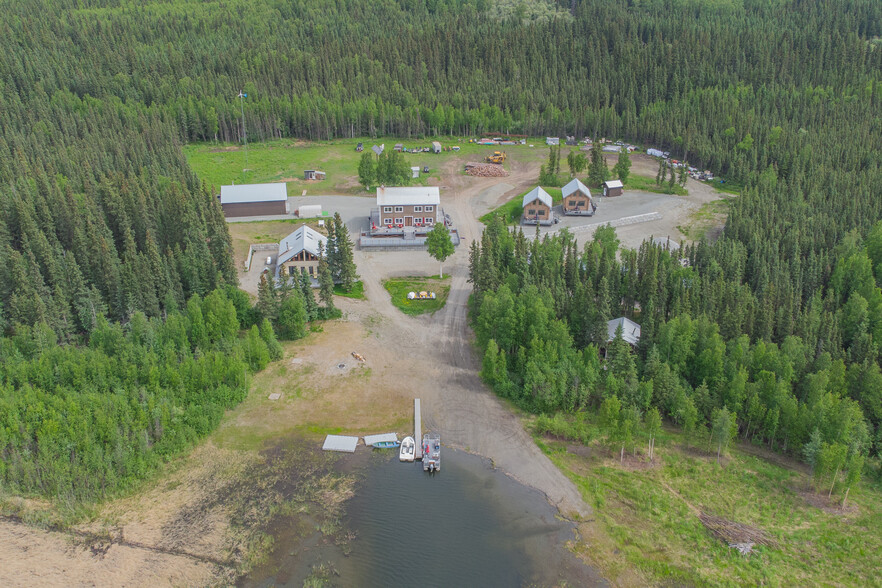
[(408, 221)]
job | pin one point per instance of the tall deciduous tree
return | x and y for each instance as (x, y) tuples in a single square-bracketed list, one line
[(439, 245)]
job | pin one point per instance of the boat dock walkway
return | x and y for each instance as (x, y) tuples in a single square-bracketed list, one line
[(417, 429)]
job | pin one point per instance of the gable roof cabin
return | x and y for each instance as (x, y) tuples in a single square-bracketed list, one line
[(575, 186), (303, 239), (254, 199), (539, 194), (407, 196), (630, 330)]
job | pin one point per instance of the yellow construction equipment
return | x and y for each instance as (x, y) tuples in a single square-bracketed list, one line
[(497, 157)]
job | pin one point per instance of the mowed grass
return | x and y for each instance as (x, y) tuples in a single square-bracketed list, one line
[(284, 160), (512, 210), (645, 519), (398, 288), (357, 291)]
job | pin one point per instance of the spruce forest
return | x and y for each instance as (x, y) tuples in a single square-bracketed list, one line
[(117, 300)]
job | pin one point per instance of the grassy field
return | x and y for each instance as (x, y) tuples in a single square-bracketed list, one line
[(512, 210), (398, 288), (710, 215), (284, 160), (646, 517), (636, 182)]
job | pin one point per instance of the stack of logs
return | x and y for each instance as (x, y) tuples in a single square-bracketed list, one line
[(485, 170)]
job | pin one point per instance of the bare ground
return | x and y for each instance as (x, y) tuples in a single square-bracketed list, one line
[(177, 529)]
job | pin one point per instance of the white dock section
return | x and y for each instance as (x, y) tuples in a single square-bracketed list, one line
[(369, 440), (340, 443), (417, 429)]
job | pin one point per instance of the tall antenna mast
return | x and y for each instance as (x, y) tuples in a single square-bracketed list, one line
[(242, 96)]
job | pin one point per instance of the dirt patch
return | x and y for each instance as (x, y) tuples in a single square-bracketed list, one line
[(831, 506)]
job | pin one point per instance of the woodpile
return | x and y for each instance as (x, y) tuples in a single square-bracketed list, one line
[(736, 535), (485, 170)]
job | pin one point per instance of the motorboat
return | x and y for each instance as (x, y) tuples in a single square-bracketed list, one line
[(408, 449)]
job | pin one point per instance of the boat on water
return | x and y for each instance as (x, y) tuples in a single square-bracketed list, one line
[(408, 449), (431, 452), (385, 444)]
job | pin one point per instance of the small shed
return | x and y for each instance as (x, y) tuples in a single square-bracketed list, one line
[(537, 206), (552, 140), (613, 188), (415, 172), (630, 330), (652, 151), (398, 147), (313, 174), (436, 147)]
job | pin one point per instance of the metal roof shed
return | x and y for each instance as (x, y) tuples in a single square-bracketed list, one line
[(630, 330)]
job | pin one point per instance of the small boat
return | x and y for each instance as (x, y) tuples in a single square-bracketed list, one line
[(408, 449), (385, 444)]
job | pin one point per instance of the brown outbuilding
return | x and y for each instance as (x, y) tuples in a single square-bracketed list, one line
[(577, 199), (537, 208), (254, 200)]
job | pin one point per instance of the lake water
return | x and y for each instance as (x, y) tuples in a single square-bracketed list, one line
[(468, 525)]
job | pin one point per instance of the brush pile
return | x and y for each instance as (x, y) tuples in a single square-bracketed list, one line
[(736, 535), (485, 170)]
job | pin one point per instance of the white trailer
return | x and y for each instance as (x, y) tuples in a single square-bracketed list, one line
[(309, 211)]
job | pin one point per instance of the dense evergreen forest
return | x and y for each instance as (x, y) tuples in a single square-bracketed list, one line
[(104, 229)]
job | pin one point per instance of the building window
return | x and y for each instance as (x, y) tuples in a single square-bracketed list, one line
[(292, 270), (417, 208), (399, 221), (417, 220), (430, 208), (311, 270), (429, 220), (387, 209), (303, 269), (399, 209), (580, 203), (531, 212), (387, 221)]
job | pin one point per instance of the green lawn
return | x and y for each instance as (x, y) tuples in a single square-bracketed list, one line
[(512, 210), (398, 288), (646, 184), (645, 518), (356, 292)]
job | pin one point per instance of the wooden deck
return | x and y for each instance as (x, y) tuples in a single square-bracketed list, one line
[(417, 429)]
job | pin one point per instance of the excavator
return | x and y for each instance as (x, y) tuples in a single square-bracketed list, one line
[(497, 157)]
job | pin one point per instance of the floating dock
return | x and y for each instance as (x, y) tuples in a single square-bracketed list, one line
[(340, 443), (417, 429)]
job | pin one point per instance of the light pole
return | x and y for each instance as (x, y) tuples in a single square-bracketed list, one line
[(242, 96)]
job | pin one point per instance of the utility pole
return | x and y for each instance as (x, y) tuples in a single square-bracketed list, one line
[(242, 96)]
